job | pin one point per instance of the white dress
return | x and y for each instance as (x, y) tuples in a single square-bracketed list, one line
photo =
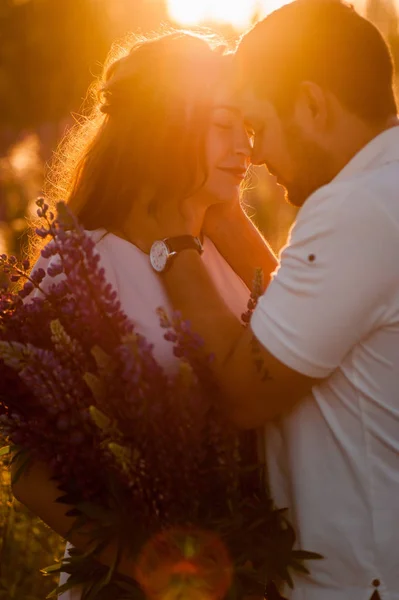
[(141, 293)]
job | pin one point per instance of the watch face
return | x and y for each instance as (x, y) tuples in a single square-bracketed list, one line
[(159, 256)]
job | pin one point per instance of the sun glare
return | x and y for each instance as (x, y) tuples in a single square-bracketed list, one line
[(238, 13)]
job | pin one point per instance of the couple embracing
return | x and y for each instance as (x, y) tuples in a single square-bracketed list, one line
[(155, 174)]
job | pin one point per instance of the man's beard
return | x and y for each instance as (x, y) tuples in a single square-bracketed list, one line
[(313, 166)]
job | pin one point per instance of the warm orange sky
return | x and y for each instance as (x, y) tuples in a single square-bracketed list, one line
[(237, 12)]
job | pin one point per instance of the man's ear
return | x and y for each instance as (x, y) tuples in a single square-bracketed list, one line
[(312, 108)]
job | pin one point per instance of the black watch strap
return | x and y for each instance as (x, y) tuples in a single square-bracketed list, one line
[(184, 242)]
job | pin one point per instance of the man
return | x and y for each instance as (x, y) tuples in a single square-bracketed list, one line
[(322, 354)]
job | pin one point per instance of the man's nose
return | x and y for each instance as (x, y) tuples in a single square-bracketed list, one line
[(243, 145)]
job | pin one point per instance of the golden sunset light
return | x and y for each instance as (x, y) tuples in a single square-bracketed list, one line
[(238, 13)]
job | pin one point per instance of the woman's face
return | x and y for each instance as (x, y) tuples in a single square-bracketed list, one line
[(228, 149)]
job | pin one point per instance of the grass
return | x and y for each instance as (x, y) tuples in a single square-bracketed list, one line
[(26, 546)]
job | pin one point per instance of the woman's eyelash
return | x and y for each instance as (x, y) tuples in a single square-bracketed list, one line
[(250, 130), (226, 127)]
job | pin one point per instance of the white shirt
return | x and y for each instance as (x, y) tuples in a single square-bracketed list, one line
[(332, 312), (141, 292)]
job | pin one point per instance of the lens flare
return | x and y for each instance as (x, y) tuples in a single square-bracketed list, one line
[(184, 564)]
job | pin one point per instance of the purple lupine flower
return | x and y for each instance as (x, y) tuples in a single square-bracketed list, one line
[(42, 232), (38, 275), (55, 269)]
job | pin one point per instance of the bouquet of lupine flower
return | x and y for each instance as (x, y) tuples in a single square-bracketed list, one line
[(147, 456)]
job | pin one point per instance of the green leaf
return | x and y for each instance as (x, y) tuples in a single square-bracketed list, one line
[(113, 567), (95, 548), (256, 524), (305, 555), (51, 569), (286, 577), (96, 387), (78, 524), (94, 511), (67, 499), (6, 450), (123, 455), (297, 566), (103, 360), (60, 590), (97, 587), (74, 512), (54, 593), (22, 467), (101, 420), (127, 587)]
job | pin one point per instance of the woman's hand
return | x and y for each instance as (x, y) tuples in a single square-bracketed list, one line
[(239, 242)]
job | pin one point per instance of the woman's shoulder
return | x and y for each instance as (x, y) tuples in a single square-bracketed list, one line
[(115, 249), (105, 244), (124, 263), (108, 242)]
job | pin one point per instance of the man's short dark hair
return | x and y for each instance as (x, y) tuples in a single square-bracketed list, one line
[(324, 41)]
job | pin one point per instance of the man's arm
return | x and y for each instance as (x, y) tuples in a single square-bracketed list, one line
[(239, 242), (258, 386)]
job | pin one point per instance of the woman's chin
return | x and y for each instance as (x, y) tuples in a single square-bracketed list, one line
[(226, 193)]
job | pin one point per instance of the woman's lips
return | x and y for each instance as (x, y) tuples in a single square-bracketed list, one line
[(238, 173)]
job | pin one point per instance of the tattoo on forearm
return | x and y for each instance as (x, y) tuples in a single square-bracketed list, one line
[(246, 318), (259, 362)]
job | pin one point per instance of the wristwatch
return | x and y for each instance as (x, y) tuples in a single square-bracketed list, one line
[(163, 251)]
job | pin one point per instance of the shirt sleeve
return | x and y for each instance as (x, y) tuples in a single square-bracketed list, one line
[(336, 279)]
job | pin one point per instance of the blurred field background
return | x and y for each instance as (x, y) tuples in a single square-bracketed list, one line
[(50, 51)]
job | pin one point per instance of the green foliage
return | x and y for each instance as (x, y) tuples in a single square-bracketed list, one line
[(54, 46), (26, 546)]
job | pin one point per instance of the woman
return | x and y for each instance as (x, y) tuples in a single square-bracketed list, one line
[(161, 131)]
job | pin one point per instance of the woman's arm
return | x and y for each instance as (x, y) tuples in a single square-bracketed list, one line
[(38, 492), (239, 242)]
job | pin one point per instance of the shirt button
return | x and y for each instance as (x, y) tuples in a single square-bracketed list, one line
[(376, 582)]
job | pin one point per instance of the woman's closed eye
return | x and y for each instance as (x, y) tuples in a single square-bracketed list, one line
[(224, 125)]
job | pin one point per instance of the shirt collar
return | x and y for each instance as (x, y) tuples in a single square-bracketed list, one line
[(383, 149)]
